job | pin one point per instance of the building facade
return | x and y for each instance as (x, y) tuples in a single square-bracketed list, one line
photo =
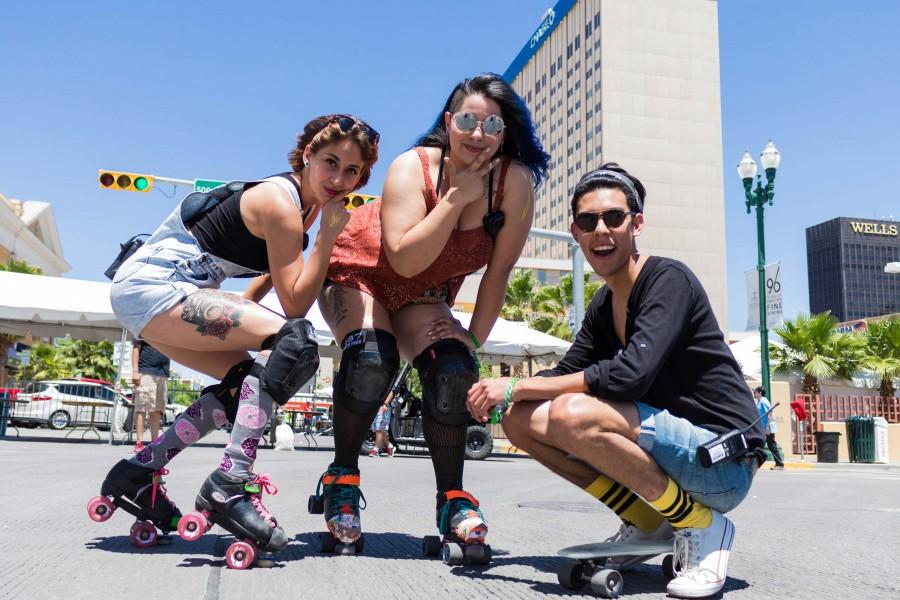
[(28, 233), (634, 82), (845, 259)]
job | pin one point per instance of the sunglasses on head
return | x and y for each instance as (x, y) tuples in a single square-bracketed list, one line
[(587, 221), (467, 122), (346, 123)]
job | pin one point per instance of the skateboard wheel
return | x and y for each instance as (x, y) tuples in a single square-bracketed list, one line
[(571, 576), (452, 554), (100, 508), (607, 583), (240, 555), (326, 542), (474, 552), (192, 526), (485, 556), (668, 567), (143, 534), (431, 545)]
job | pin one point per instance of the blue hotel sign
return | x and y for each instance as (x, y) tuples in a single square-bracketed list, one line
[(553, 17)]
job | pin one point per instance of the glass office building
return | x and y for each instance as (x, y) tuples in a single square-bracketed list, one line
[(845, 259), (634, 82)]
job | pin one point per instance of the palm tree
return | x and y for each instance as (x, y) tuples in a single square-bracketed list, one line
[(519, 294), (814, 348), (552, 304), (882, 353), (45, 363), (87, 359)]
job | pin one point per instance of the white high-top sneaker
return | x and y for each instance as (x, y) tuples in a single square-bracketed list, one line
[(630, 533), (701, 558)]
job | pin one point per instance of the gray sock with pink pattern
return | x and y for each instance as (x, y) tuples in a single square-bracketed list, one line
[(253, 411), (205, 415)]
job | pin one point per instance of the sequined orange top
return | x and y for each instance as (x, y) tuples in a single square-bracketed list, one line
[(358, 259)]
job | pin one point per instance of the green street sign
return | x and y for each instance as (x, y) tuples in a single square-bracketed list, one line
[(205, 185)]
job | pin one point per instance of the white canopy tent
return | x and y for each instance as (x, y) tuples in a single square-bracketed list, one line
[(56, 306)]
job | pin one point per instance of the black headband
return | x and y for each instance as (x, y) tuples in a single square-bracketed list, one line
[(600, 174)]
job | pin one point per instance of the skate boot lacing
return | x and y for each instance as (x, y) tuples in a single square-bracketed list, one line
[(255, 487), (343, 485), (158, 485), (462, 507)]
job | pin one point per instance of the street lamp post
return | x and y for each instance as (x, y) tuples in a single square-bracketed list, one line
[(770, 159)]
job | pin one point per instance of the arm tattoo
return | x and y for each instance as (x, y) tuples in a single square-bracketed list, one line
[(213, 312)]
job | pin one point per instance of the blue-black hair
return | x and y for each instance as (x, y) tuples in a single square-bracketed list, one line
[(520, 140)]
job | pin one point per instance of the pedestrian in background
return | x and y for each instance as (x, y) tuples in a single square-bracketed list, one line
[(763, 406), (380, 426), (149, 376)]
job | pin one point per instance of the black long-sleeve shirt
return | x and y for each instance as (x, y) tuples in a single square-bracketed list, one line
[(674, 358)]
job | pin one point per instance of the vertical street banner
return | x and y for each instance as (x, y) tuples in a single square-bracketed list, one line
[(774, 304)]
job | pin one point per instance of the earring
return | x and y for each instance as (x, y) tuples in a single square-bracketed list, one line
[(305, 163)]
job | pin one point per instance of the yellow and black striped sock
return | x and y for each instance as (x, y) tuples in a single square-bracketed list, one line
[(680, 509), (625, 503)]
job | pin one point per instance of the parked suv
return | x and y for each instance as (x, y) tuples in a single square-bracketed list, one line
[(41, 403)]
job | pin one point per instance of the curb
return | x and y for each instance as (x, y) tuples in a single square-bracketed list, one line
[(504, 447)]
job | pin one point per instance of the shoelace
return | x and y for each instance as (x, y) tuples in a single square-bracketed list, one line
[(457, 506), (687, 553), (158, 484), (623, 535), (265, 485), (348, 494)]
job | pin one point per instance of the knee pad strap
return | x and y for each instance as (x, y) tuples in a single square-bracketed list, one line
[(447, 370), (233, 379), (293, 361), (369, 364)]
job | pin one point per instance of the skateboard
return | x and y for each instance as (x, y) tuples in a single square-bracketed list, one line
[(589, 564)]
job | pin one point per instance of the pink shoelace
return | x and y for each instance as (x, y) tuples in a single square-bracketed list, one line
[(265, 485), (157, 484)]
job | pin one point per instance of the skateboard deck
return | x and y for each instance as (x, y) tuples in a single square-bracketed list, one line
[(610, 549)]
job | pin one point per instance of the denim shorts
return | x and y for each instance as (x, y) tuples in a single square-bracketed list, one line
[(673, 441), (169, 267)]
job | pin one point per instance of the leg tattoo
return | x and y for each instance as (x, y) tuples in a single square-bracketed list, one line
[(214, 312)]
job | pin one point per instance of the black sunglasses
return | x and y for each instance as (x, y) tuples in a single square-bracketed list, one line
[(346, 123), (587, 221)]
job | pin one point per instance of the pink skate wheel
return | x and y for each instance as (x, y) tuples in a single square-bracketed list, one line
[(100, 508), (143, 534), (240, 555), (192, 526)]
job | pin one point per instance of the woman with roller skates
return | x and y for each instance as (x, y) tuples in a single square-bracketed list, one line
[(167, 293), (460, 200)]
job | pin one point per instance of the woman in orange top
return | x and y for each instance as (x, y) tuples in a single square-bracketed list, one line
[(462, 199)]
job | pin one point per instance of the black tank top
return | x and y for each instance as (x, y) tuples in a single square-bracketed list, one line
[(222, 232)]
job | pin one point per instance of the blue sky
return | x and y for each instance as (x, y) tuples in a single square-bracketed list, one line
[(212, 90)]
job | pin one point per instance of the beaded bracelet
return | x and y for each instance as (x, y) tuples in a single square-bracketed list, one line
[(475, 340)]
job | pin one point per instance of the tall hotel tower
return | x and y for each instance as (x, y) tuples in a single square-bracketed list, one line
[(634, 82)]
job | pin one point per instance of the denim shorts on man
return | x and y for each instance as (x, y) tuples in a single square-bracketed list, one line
[(673, 442), (382, 420)]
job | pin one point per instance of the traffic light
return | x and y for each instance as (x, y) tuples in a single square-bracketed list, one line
[(356, 200), (125, 182)]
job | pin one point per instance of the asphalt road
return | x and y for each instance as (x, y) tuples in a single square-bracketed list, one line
[(802, 533)]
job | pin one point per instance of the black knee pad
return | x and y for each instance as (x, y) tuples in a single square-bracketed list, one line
[(233, 379), (369, 364), (293, 361), (447, 370)]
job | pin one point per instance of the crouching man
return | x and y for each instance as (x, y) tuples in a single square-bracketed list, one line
[(647, 381)]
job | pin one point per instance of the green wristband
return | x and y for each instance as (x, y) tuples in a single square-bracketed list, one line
[(507, 400), (475, 340)]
